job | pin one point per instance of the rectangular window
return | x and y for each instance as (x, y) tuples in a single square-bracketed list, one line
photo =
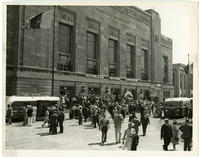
[(165, 61), (181, 81), (185, 81), (112, 45), (65, 47), (144, 64), (91, 45), (112, 51), (92, 67), (130, 60)]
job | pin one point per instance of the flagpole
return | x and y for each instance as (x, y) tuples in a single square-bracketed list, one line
[(53, 52)]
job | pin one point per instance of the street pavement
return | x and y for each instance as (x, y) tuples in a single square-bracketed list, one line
[(79, 137)]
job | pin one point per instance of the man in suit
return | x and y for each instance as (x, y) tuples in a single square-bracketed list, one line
[(187, 134), (166, 134), (145, 121), (61, 118)]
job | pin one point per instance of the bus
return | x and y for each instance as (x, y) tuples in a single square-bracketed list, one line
[(175, 107), (41, 102)]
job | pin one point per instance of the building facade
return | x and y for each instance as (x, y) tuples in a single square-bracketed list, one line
[(99, 48), (183, 80)]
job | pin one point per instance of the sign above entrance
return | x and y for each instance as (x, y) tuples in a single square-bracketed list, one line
[(131, 80), (94, 76)]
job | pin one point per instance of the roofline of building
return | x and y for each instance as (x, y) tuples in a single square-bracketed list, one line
[(179, 64)]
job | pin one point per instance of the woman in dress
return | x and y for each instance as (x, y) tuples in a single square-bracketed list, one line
[(175, 138), (128, 134)]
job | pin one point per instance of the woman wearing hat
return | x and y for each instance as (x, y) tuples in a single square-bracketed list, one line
[(128, 134), (175, 138)]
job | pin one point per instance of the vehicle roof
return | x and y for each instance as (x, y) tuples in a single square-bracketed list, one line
[(177, 99), (12, 99)]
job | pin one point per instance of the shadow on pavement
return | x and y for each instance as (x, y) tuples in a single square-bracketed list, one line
[(100, 144), (74, 125), (41, 127), (43, 134), (97, 143), (88, 126), (110, 144), (20, 125)]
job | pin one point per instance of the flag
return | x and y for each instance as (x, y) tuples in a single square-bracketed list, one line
[(42, 20)]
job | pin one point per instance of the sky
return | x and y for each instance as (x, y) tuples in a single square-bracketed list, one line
[(179, 21)]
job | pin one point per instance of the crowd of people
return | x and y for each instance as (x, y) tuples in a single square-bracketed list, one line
[(92, 108)]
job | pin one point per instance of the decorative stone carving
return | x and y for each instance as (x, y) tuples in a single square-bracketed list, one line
[(66, 16), (93, 26), (113, 32), (130, 38), (145, 44)]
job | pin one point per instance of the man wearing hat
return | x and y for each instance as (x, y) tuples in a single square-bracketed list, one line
[(166, 134), (187, 134)]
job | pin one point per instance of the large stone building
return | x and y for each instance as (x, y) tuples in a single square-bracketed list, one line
[(183, 80), (99, 48)]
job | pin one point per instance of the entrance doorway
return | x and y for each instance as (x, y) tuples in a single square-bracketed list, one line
[(67, 90)]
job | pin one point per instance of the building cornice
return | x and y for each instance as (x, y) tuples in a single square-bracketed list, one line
[(135, 13)]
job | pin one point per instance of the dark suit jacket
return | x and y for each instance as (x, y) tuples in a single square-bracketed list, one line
[(166, 131)]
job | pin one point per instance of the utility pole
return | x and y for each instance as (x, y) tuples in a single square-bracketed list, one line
[(53, 52)]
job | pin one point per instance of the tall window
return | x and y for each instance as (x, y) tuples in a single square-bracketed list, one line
[(165, 61), (130, 61), (112, 45), (185, 81), (145, 65), (181, 80), (65, 47), (92, 53)]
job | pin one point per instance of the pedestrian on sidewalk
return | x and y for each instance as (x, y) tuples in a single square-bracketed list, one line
[(80, 114), (144, 121), (118, 119), (128, 135), (135, 123), (25, 121), (175, 138), (187, 135), (54, 121), (104, 126), (46, 118), (85, 112), (30, 115), (34, 113), (166, 134), (9, 114), (96, 117), (135, 141), (61, 118)]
